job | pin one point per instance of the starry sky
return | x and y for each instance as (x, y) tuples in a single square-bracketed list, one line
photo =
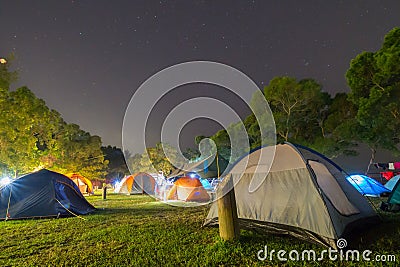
[(87, 58)]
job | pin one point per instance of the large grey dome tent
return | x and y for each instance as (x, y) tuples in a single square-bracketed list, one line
[(42, 194), (302, 194)]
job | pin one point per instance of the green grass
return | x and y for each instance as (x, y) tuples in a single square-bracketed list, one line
[(138, 231)]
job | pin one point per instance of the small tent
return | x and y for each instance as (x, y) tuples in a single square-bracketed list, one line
[(300, 193), (84, 184), (394, 197), (366, 185), (42, 194), (138, 183), (188, 189), (393, 203), (392, 182), (206, 184)]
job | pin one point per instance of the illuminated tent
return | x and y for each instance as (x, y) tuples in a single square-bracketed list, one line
[(300, 193), (206, 184), (392, 182), (84, 184), (366, 185), (138, 183), (42, 194), (188, 189)]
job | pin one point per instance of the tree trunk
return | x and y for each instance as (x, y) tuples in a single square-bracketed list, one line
[(287, 127), (371, 161)]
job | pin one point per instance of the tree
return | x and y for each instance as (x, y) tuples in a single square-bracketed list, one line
[(116, 162), (32, 136), (24, 125), (75, 150), (296, 107), (6, 76), (191, 154), (133, 163), (154, 159), (337, 126), (374, 80)]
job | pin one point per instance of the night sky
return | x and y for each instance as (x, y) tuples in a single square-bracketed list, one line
[(87, 58)]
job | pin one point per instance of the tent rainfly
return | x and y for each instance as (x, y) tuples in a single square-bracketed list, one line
[(42, 194), (393, 202), (392, 182), (138, 183), (367, 186), (301, 193), (84, 184), (394, 197), (188, 189)]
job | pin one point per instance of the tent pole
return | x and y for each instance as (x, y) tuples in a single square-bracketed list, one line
[(217, 165)]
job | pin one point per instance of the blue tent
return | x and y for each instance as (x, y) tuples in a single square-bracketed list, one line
[(392, 182), (41, 194), (366, 185), (206, 184)]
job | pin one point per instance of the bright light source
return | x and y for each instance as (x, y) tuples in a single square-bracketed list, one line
[(193, 175), (356, 179), (5, 181), (3, 61)]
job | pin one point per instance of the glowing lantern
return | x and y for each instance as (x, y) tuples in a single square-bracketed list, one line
[(5, 181)]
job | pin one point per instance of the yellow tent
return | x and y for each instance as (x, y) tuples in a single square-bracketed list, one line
[(84, 184)]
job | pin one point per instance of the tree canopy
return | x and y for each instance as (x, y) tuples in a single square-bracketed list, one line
[(374, 80), (32, 136), (297, 108), (154, 159)]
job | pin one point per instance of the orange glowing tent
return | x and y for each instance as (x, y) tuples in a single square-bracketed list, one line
[(138, 183), (188, 189), (84, 184)]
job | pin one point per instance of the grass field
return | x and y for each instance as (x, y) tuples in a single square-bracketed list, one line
[(138, 231)]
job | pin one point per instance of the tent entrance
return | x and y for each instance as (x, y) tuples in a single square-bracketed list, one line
[(332, 190)]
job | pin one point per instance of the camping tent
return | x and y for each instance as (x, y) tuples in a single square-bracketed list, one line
[(392, 182), (393, 203), (138, 183), (203, 168), (84, 184), (188, 189), (206, 184), (366, 185), (301, 193), (42, 194), (394, 197)]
